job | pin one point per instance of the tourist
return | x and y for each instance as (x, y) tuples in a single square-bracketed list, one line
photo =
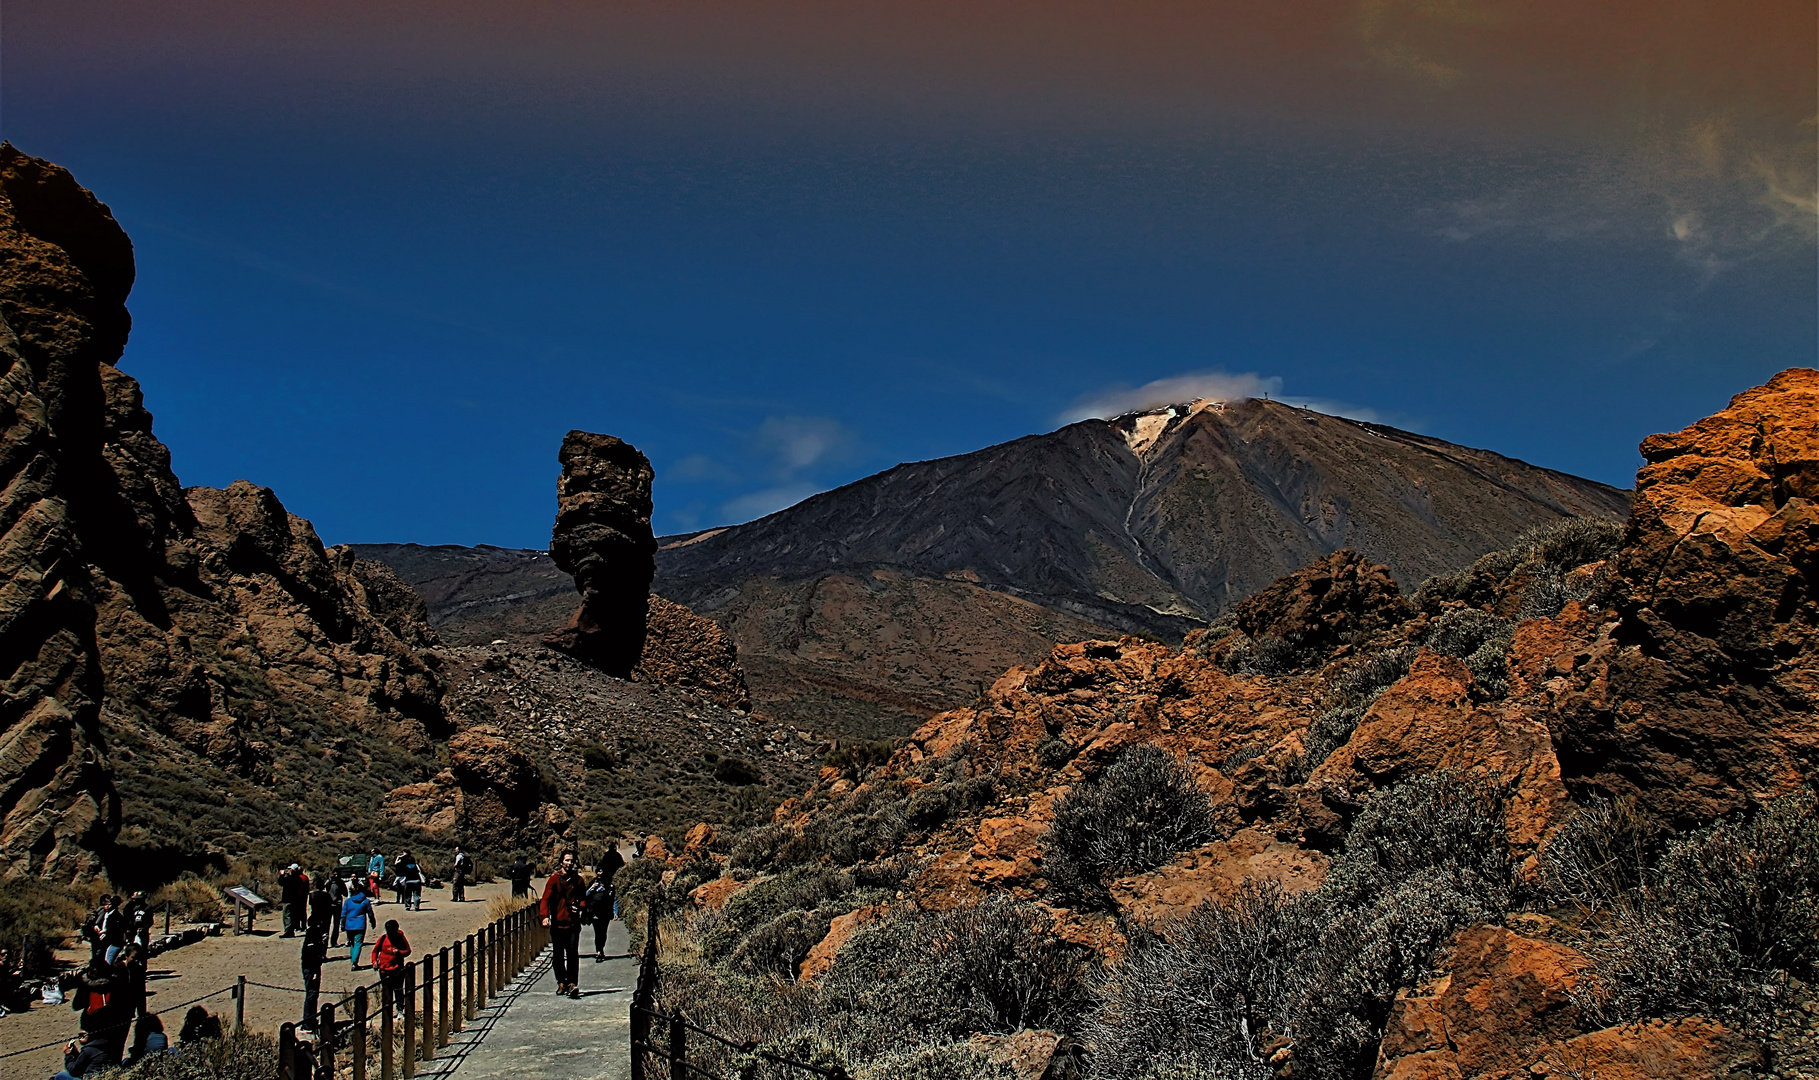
[(13, 997), (315, 953), (599, 911), (611, 862), (563, 900), (104, 997), (410, 882), (103, 931), (388, 957), (356, 917), (198, 1024), (375, 873), (136, 920), (85, 1054), (151, 1036), (336, 888), (521, 878), (293, 896), (463, 870)]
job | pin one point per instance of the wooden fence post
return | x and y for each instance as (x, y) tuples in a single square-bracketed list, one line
[(388, 1004), (325, 1042), (443, 1020), (240, 1006), (473, 961), (287, 1051), (357, 1046), (678, 1047), (428, 1042), (408, 1058)]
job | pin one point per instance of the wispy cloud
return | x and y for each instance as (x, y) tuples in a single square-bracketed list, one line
[(757, 504), (1116, 400)]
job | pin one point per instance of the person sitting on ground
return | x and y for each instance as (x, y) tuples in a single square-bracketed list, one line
[(561, 907), (199, 1024), (388, 957), (356, 917), (85, 1054), (13, 997), (599, 905), (521, 878), (151, 1036)]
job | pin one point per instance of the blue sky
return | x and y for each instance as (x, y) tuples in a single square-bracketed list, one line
[(389, 253)]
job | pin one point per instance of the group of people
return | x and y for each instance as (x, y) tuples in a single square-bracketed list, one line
[(568, 904), (406, 881)]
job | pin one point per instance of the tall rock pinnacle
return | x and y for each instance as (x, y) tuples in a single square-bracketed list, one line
[(603, 537)]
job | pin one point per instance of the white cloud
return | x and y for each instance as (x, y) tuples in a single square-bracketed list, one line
[(800, 442), (1219, 385), (758, 504)]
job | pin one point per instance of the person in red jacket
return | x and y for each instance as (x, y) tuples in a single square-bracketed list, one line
[(562, 907), (388, 957)]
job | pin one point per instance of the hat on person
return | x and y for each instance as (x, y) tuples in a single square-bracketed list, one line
[(294, 866)]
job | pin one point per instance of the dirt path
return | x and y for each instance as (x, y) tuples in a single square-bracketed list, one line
[(263, 957)]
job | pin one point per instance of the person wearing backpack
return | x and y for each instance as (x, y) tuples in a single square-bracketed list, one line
[(463, 870), (336, 888), (388, 957), (599, 911), (356, 917)]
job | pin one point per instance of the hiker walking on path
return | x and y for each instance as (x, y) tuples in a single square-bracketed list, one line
[(388, 957), (563, 900), (611, 862), (410, 882), (521, 878), (315, 951), (375, 874), (599, 911), (356, 917), (464, 869), (336, 890)]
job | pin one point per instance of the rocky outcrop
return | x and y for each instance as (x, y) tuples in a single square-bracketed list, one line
[(492, 797), (603, 538), (196, 630), (1335, 599), (1703, 696), (684, 650)]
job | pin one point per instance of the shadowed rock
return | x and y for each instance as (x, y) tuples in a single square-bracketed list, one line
[(603, 537)]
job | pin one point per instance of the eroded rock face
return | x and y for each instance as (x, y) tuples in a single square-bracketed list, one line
[(1704, 696), (202, 624), (603, 537), (683, 649), (1325, 602)]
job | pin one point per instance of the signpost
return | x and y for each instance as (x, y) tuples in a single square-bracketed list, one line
[(246, 902)]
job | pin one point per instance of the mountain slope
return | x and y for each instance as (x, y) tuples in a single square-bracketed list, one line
[(1150, 523)]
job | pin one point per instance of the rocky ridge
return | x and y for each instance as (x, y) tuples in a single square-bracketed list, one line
[(187, 669), (1668, 666)]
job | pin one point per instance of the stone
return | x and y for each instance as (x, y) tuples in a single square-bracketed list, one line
[(1334, 599), (684, 650), (1214, 872), (842, 927), (603, 538), (1027, 1053)]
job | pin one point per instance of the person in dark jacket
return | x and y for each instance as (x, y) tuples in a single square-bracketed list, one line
[(521, 877), (599, 911), (85, 1054), (136, 920), (104, 931), (410, 878), (322, 915), (199, 1024), (293, 895), (608, 868), (462, 873), (564, 899), (336, 887)]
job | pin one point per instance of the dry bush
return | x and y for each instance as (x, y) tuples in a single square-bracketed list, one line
[(1145, 809)]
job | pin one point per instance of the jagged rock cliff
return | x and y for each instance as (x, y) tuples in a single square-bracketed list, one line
[(191, 664)]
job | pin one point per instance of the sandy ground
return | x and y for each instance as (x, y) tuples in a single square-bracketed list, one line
[(263, 957)]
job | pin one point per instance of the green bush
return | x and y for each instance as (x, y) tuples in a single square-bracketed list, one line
[(734, 771), (1265, 656), (1480, 639), (1726, 911), (951, 1061), (1145, 809), (595, 756), (778, 947), (805, 888), (916, 978), (860, 757), (1600, 856)]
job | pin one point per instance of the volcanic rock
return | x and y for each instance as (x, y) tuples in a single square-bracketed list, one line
[(1703, 697), (684, 650), (603, 538), (162, 643), (1329, 601)]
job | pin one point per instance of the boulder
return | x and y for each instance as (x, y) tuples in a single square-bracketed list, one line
[(1326, 602), (842, 927), (684, 650)]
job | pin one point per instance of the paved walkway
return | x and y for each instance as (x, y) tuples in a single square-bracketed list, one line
[(527, 1031)]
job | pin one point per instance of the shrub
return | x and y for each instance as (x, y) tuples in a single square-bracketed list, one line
[(860, 757), (1726, 910), (1055, 753), (1144, 810), (35, 916), (763, 901), (1599, 856), (1265, 656), (243, 1057), (758, 848), (928, 806), (778, 947), (1571, 543), (1482, 640), (1205, 997), (919, 977), (951, 1061), (595, 756), (1348, 697), (734, 771)]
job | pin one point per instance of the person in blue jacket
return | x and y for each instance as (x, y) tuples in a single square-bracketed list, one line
[(356, 918)]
